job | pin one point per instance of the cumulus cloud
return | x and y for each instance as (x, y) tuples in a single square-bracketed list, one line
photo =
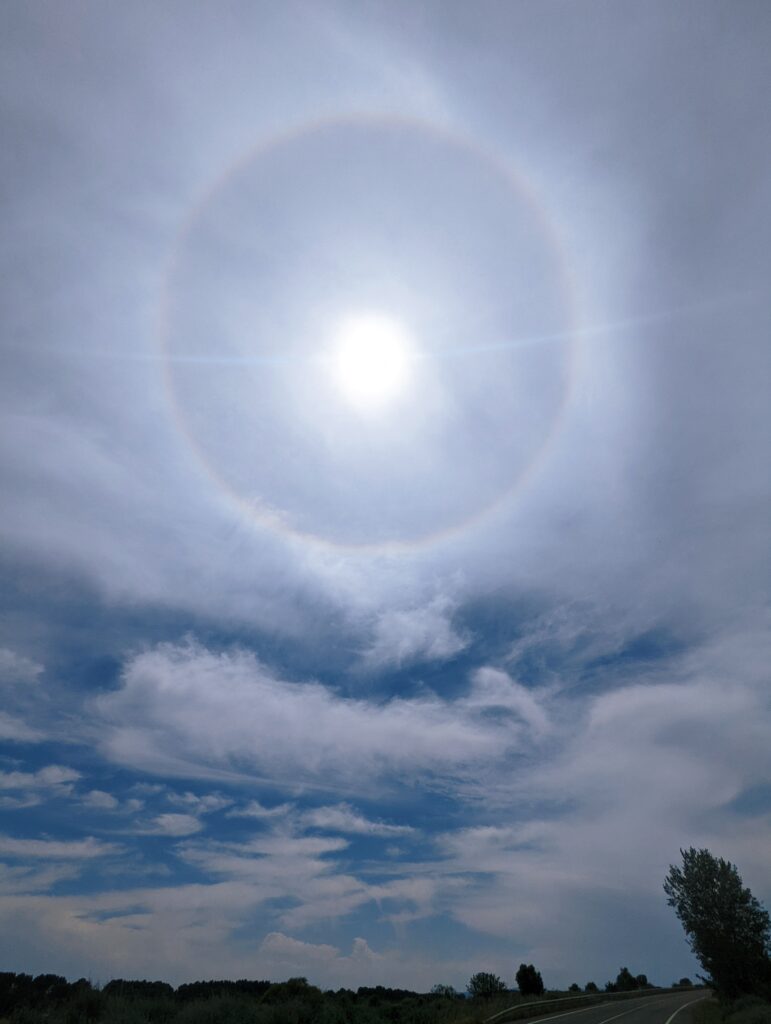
[(208, 803), (188, 709), (281, 947), (171, 825), (320, 960), (585, 835), (99, 800), (254, 809)]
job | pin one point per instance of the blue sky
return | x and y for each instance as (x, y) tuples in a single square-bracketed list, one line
[(380, 673)]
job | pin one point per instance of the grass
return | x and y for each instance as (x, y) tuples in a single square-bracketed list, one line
[(747, 1010)]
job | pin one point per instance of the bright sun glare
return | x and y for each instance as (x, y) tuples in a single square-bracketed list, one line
[(371, 360)]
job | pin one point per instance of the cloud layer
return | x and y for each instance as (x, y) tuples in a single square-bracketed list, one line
[(292, 690)]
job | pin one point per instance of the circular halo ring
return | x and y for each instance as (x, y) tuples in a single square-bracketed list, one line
[(273, 520)]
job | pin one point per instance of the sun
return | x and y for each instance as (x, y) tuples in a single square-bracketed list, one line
[(371, 360)]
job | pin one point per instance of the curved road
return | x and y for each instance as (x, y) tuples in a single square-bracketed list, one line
[(646, 1010)]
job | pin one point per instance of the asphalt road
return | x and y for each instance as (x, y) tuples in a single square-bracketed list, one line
[(646, 1010)]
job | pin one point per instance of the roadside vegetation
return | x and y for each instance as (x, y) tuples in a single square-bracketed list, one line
[(746, 1010)]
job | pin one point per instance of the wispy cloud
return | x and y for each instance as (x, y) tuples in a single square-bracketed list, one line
[(15, 669), (54, 849), (493, 689), (53, 777), (344, 818), (16, 730), (424, 633)]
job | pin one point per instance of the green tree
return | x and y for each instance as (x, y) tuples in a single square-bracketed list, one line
[(485, 984), (625, 981), (529, 981), (575, 987), (728, 930), (591, 986)]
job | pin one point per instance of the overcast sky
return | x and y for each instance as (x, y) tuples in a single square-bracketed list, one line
[(385, 472)]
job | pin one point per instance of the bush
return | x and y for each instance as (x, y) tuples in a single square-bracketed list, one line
[(749, 1010), (485, 985)]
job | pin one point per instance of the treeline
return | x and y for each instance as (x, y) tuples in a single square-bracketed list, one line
[(52, 999), (530, 983)]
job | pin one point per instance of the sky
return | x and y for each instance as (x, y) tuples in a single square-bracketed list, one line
[(385, 472)]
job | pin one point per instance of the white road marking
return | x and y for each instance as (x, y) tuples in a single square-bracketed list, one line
[(669, 1021), (568, 1013), (633, 1010)]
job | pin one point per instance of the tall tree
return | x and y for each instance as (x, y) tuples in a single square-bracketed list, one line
[(728, 930), (625, 981), (529, 981)]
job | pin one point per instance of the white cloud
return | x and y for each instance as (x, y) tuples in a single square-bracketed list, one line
[(185, 709), (54, 777), (15, 668), (492, 688), (187, 932), (282, 866), (171, 825), (25, 879), (584, 836), (343, 818), (206, 804), (423, 633), (99, 800), (649, 502), (254, 809), (17, 731), (324, 962), (15, 803), (284, 949), (54, 849), (18, 676)]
